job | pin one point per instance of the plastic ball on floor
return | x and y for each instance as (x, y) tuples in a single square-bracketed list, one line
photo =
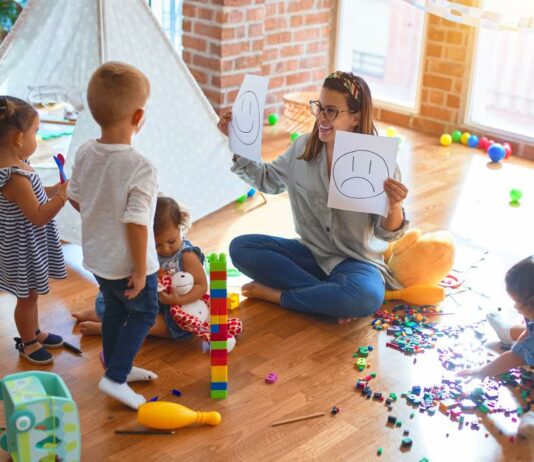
[(465, 137), (508, 150), (456, 136), (496, 152), (489, 145), (445, 139), (472, 142), (272, 119), (483, 143), (294, 136), (391, 132), (516, 195)]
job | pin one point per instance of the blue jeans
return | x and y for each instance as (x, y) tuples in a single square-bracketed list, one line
[(353, 288), (125, 323)]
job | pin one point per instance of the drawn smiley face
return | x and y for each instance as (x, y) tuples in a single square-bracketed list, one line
[(246, 118), (355, 174)]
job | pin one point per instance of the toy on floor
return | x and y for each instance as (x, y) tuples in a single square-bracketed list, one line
[(515, 197), (445, 139), (163, 415), (41, 418), (496, 152), (418, 295), (194, 317)]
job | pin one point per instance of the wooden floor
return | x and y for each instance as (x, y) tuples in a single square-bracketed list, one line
[(450, 188)]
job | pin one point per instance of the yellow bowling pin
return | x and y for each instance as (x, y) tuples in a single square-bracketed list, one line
[(418, 295), (163, 415)]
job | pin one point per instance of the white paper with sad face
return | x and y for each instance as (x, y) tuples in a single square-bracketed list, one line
[(245, 132), (360, 165)]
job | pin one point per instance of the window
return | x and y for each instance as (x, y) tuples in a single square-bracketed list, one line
[(502, 88), (169, 15), (381, 40)]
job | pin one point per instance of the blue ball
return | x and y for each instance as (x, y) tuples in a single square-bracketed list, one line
[(496, 152), (472, 142)]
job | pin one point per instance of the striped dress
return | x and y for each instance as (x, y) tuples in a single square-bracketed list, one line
[(29, 254)]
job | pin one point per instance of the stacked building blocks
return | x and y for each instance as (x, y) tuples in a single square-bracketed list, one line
[(219, 327)]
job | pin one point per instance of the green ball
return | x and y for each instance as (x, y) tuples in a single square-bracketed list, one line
[(516, 195), (294, 136), (272, 119), (456, 136)]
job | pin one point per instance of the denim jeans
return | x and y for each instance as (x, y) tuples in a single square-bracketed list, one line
[(125, 323), (353, 288)]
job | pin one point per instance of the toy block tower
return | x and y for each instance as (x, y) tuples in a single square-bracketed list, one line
[(219, 327)]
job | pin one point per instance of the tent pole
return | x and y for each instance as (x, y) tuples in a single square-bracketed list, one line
[(101, 32)]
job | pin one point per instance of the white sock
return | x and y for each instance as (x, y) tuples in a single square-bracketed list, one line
[(526, 425), (138, 374), (501, 327), (121, 392)]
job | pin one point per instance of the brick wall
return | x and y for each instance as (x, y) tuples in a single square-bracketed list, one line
[(289, 41)]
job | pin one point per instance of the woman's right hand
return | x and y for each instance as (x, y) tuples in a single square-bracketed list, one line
[(225, 119)]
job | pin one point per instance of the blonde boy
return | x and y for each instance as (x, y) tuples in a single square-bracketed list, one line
[(114, 188)]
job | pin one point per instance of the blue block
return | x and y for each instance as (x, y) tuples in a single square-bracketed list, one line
[(215, 328), (219, 385), (218, 293)]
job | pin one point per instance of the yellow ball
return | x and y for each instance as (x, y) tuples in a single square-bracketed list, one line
[(465, 137), (391, 132), (445, 139)]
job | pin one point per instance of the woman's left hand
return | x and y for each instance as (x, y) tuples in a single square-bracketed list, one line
[(396, 192)]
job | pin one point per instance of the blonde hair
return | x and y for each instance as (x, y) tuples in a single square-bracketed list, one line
[(15, 114), (116, 90), (361, 103)]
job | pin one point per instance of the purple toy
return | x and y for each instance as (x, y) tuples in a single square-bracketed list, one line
[(271, 377)]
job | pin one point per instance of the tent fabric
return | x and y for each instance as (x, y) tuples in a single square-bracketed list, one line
[(60, 43)]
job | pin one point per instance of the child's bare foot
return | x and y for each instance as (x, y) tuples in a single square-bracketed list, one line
[(345, 320), (256, 290), (85, 315), (90, 328)]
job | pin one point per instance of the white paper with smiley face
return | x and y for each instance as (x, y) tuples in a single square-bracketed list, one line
[(360, 165), (245, 131)]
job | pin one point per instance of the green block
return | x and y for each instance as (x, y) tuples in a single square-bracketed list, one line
[(217, 262), (398, 423), (379, 451), (373, 374), (219, 394), (219, 345), (393, 396), (218, 284), (364, 351), (483, 408)]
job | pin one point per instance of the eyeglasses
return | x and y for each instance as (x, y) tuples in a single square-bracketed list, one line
[(330, 113)]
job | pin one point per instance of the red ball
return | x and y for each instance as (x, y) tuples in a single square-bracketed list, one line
[(483, 143), (507, 149), (490, 142)]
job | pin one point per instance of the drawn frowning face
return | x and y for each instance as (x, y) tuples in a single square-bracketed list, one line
[(246, 118), (355, 174)]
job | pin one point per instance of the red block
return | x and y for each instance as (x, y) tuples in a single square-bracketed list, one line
[(218, 306), (219, 361), (218, 275), (219, 353), (219, 336)]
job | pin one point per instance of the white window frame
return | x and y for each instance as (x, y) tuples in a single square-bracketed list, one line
[(382, 103)]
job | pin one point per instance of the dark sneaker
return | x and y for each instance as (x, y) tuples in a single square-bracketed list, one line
[(51, 341)]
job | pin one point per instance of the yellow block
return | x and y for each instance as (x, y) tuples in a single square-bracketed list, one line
[(219, 373), (215, 319), (233, 301)]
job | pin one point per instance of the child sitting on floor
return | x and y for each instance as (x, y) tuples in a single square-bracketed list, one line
[(520, 286)]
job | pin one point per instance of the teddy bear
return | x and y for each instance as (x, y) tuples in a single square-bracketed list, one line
[(194, 317), (417, 260)]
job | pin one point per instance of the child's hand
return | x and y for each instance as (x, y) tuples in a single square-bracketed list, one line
[(476, 372), (136, 283), (224, 121), (169, 298)]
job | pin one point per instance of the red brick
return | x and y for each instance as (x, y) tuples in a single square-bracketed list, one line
[(200, 76), (310, 34), (453, 101), (255, 30), (194, 43), (231, 96), (436, 112), (291, 50), (206, 14), (247, 62), (228, 33), (428, 126), (447, 68), (256, 14), (455, 37), (207, 63), (436, 97), (206, 30), (435, 81), (299, 77), (235, 48), (297, 20), (395, 118), (278, 37), (298, 6), (187, 25), (215, 97), (435, 34), (433, 50), (238, 2), (317, 18)]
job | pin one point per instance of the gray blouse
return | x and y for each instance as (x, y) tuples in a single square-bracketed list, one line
[(332, 235)]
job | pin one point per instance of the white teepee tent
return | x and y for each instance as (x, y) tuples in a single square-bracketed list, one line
[(57, 44)]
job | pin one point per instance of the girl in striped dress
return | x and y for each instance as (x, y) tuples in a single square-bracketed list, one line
[(30, 251)]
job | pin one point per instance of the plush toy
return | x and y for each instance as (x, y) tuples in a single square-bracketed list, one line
[(421, 261), (195, 317)]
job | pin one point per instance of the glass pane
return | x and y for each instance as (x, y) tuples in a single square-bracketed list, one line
[(381, 41), (169, 15), (502, 89)]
